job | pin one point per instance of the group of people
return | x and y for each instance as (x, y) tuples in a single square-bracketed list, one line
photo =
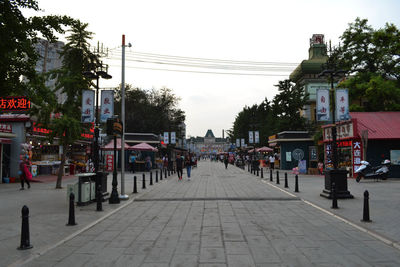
[(181, 161)]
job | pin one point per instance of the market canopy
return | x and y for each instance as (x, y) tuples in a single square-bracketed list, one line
[(264, 149), (110, 146), (143, 147)]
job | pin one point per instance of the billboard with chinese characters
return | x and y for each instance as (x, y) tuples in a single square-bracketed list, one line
[(11, 103), (107, 105), (342, 105), (323, 105), (87, 106)]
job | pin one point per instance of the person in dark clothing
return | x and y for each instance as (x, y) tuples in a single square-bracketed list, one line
[(179, 166), (24, 174), (226, 162)]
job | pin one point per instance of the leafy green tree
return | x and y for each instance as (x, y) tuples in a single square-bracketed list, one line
[(17, 54), (372, 59), (70, 81), (150, 111)]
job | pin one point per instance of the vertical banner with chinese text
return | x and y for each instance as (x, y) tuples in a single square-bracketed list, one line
[(173, 138), (109, 163), (107, 105), (237, 142), (251, 140), (323, 105), (87, 106), (342, 104), (242, 143), (256, 137), (357, 154), (166, 138)]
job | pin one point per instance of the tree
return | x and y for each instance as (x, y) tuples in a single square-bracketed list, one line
[(372, 58), (17, 54), (70, 81), (150, 111)]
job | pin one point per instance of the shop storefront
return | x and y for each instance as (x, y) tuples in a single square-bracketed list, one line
[(370, 136)]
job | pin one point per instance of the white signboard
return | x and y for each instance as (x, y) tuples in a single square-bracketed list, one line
[(87, 106), (323, 105), (238, 142), (173, 138), (166, 138), (107, 105), (251, 140), (342, 105), (257, 137)]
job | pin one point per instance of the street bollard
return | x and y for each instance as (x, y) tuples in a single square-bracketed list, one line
[(258, 172), (25, 240), (248, 167), (169, 173), (296, 183), (262, 173), (71, 217), (334, 198), (286, 181), (151, 178), (165, 173), (366, 207), (134, 185), (277, 177), (99, 196), (144, 181), (156, 176), (270, 175), (160, 174)]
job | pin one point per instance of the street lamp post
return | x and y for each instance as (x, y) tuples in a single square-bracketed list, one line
[(335, 179), (95, 75)]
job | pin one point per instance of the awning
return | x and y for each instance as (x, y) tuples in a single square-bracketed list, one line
[(5, 140)]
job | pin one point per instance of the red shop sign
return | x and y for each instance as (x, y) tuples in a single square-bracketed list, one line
[(14, 103), (109, 163)]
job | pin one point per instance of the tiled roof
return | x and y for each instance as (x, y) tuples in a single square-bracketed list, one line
[(380, 125)]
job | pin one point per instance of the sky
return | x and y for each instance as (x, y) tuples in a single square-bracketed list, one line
[(275, 33)]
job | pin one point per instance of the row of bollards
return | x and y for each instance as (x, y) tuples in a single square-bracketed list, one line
[(296, 186)]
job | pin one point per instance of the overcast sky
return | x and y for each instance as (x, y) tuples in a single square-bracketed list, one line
[(247, 30)]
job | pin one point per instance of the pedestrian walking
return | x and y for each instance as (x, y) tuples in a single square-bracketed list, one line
[(226, 162), (132, 160), (271, 161), (179, 166), (25, 174), (188, 165)]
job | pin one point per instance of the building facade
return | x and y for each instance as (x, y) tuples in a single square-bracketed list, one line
[(207, 145)]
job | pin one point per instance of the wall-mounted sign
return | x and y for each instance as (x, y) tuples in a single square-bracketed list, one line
[(5, 128), (14, 103), (344, 131)]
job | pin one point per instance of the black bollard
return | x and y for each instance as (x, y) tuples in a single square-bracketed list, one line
[(165, 173), (134, 185), (99, 196), (25, 240), (277, 177), (169, 173), (151, 178), (71, 217), (366, 207), (296, 183), (248, 167), (258, 172), (334, 198), (160, 174), (144, 181), (270, 175), (262, 173), (156, 176), (286, 181)]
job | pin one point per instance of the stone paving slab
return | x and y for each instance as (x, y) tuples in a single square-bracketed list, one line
[(212, 220)]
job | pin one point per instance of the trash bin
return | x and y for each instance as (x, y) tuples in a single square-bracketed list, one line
[(85, 188)]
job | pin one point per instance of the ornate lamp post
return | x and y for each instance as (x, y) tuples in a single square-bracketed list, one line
[(95, 75), (335, 179)]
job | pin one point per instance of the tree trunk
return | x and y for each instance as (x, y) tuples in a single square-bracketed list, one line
[(61, 169)]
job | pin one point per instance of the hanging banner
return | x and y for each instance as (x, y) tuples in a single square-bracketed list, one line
[(242, 143), (166, 138), (109, 163), (256, 137), (87, 106), (237, 142), (251, 140), (342, 105), (173, 138), (107, 105), (323, 105)]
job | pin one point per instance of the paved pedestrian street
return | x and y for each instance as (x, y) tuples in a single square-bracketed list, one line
[(219, 218)]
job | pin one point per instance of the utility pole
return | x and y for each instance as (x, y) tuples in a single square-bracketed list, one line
[(123, 196)]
